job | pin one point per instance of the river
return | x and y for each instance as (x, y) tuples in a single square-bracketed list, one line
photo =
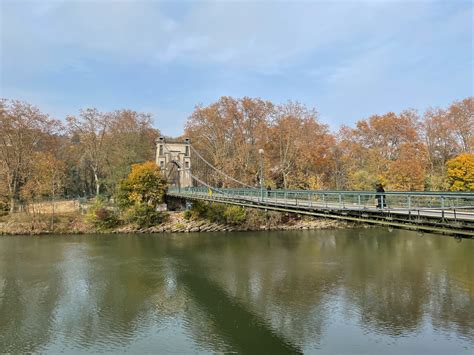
[(354, 291)]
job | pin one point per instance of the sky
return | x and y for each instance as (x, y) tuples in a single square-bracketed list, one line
[(347, 59)]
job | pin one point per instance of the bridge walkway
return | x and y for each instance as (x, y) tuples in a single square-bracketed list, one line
[(446, 213)]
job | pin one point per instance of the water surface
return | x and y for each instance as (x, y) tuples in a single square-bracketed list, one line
[(362, 291)]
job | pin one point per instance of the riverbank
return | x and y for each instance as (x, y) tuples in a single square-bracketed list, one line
[(176, 222)]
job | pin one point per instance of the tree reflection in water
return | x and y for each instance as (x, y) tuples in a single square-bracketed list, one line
[(283, 291)]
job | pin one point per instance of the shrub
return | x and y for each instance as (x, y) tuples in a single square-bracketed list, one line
[(275, 218), (199, 209), (219, 213), (215, 213), (255, 219), (144, 215), (188, 215), (180, 226), (235, 215), (100, 216)]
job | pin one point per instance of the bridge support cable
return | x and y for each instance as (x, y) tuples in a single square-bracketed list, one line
[(212, 188), (217, 170)]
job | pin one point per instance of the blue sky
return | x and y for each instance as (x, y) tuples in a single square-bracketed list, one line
[(348, 59)]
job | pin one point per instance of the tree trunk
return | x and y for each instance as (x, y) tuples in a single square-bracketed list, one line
[(52, 206), (12, 204), (97, 183), (14, 195)]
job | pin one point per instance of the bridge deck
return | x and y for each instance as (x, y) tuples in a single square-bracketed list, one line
[(445, 213), (455, 214)]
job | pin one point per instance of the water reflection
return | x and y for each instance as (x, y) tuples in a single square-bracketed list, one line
[(278, 292)]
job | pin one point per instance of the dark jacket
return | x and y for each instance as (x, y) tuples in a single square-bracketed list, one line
[(380, 196)]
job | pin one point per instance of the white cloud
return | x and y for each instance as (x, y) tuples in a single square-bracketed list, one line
[(261, 36)]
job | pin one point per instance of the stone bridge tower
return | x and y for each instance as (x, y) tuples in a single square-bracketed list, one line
[(174, 159)]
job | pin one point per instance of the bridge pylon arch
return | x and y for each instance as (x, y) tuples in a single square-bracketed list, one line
[(174, 159)]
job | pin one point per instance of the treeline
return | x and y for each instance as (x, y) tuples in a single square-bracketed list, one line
[(405, 151), (89, 154), (44, 158)]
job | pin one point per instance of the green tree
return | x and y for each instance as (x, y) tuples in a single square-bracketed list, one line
[(460, 172)]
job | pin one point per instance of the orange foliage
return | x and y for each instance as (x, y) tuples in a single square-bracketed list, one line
[(402, 150), (408, 171)]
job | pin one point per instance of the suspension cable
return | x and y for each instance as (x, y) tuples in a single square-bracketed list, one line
[(219, 171), (210, 165), (178, 163), (207, 185)]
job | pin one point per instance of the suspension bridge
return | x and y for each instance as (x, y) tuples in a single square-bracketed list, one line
[(450, 213)]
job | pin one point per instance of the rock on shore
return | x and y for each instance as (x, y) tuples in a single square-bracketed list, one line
[(176, 223)]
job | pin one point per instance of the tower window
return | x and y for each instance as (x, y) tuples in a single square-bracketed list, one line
[(161, 149)]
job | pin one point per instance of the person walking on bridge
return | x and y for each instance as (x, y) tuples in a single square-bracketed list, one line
[(380, 196)]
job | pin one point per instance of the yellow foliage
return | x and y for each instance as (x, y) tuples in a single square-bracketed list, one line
[(314, 183), (144, 185), (460, 172), (46, 177), (362, 180)]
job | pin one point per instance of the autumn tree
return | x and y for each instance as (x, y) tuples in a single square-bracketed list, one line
[(461, 114), (349, 167), (460, 172), (339, 163), (91, 128), (298, 146), (98, 148), (380, 144), (130, 139), (46, 177), (45, 180), (106, 144), (4, 193), (145, 184), (24, 130), (441, 143), (140, 193), (229, 133), (408, 171)]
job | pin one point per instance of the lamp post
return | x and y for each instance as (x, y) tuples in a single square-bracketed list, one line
[(261, 152)]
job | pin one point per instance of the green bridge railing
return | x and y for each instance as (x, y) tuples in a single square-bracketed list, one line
[(390, 200)]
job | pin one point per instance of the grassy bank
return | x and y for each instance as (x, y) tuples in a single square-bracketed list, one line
[(59, 223), (203, 217)]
